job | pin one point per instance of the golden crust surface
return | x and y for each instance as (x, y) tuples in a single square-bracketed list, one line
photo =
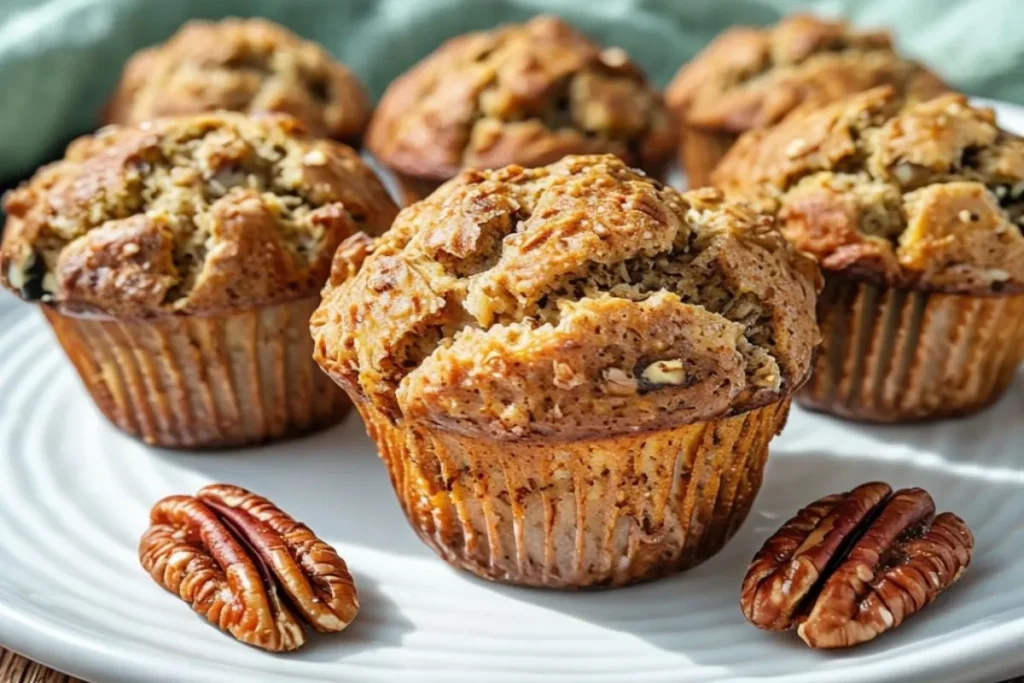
[(521, 94), (244, 65), (187, 215), (929, 195), (750, 77), (568, 301)]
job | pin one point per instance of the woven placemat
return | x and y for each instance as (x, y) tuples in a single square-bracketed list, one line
[(17, 669)]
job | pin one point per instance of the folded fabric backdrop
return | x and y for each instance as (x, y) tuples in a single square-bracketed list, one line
[(60, 58)]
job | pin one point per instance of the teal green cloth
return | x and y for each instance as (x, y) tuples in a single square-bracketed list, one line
[(59, 59)]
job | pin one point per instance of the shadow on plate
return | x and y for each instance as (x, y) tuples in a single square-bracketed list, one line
[(691, 613), (331, 480), (380, 624), (956, 439), (334, 481)]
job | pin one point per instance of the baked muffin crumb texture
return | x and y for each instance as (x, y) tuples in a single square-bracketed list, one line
[(929, 195), (188, 215), (750, 77), (576, 299), (246, 65), (526, 94)]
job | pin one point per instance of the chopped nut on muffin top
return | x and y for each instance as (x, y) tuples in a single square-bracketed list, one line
[(577, 299), (929, 195), (245, 65), (186, 215), (751, 77), (526, 94)]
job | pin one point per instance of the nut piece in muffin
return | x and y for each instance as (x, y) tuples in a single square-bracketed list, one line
[(520, 94), (752, 77), (179, 261), (573, 371), (243, 65), (915, 213)]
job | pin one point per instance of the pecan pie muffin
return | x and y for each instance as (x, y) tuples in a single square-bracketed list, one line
[(521, 94), (244, 65), (915, 213), (178, 263), (572, 372), (750, 77)]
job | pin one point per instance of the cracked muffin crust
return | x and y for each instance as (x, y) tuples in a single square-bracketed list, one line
[(929, 196), (178, 263), (521, 94), (752, 77), (914, 212), (188, 215), (568, 301), (244, 65)]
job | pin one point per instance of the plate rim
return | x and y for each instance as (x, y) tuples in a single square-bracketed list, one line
[(33, 635)]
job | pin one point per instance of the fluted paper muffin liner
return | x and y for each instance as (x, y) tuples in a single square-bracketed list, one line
[(700, 150), (578, 514), (891, 354), (203, 381)]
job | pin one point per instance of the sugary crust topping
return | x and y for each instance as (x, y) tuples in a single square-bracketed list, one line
[(245, 65), (188, 215), (521, 94), (576, 299), (750, 77), (928, 195)]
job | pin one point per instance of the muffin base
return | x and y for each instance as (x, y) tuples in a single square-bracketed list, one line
[(700, 150), (894, 355), (204, 381), (578, 514)]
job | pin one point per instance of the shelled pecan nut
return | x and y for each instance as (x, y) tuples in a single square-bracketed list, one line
[(248, 567), (851, 566)]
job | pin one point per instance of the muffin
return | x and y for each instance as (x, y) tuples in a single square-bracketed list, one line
[(915, 214), (521, 94), (178, 263), (243, 65), (572, 372), (751, 77)]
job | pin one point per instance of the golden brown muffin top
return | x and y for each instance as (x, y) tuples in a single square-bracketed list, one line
[(244, 65), (750, 77), (928, 195), (188, 215), (574, 300), (521, 94)]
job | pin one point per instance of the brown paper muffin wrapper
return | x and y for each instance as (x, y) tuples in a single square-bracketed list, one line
[(894, 355), (204, 381), (578, 514), (700, 150)]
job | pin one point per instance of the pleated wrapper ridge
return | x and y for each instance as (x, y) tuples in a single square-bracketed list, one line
[(583, 513), (229, 379), (892, 354)]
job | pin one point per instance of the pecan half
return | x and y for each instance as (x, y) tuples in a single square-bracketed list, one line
[(851, 566), (248, 567)]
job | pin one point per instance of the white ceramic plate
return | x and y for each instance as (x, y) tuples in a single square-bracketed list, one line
[(75, 495)]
